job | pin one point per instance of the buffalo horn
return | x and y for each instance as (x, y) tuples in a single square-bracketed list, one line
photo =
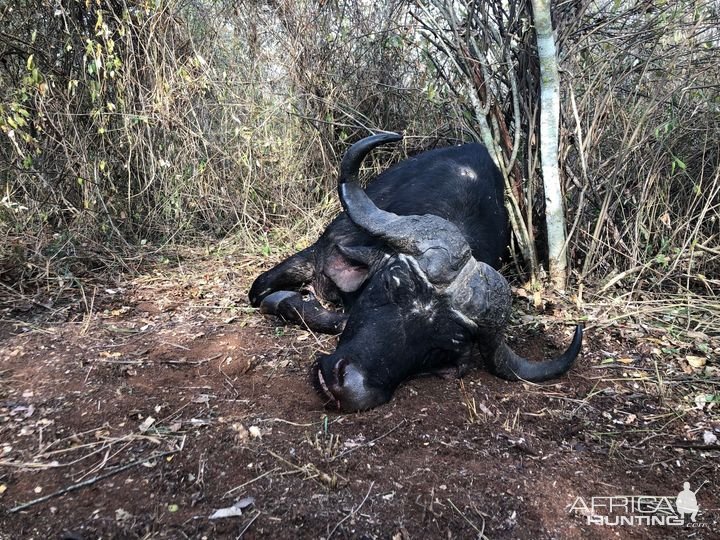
[(361, 210), (505, 363), (436, 244)]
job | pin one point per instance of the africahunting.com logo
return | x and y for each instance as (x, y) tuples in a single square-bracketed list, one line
[(623, 510)]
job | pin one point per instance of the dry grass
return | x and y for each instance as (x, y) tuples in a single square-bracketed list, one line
[(128, 132)]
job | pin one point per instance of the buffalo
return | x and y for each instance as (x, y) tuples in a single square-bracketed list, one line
[(413, 262)]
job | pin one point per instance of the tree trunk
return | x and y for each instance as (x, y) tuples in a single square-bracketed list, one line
[(549, 136)]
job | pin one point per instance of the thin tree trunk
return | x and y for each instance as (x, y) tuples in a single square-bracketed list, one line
[(549, 136)]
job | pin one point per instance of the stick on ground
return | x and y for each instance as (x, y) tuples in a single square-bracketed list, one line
[(89, 481)]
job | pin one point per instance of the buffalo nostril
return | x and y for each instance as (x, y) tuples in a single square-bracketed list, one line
[(339, 371), (321, 385)]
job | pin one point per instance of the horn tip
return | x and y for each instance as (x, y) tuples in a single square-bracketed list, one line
[(393, 136), (578, 337)]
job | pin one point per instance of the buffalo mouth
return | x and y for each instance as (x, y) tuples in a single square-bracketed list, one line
[(318, 382)]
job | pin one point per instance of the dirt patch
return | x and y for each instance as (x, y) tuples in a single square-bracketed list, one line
[(173, 399)]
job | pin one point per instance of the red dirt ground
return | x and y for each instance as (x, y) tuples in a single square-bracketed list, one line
[(203, 402)]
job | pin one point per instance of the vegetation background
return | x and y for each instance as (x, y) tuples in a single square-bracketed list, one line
[(129, 128), (156, 155)]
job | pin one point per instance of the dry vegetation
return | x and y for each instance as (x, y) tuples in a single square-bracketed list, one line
[(135, 132), (130, 127)]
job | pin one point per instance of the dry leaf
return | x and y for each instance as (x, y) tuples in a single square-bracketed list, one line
[(241, 433), (149, 421), (234, 510), (696, 361)]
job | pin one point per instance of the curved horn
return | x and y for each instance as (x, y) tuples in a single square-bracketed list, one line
[(508, 365), (482, 300), (438, 245), (353, 157), (355, 202)]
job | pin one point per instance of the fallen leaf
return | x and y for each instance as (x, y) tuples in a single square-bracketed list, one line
[(122, 515), (149, 421), (242, 434), (485, 410), (696, 361), (234, 510)]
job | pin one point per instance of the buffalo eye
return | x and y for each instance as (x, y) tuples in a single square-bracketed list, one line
[(399, 284), (388, 282), (396, 284)]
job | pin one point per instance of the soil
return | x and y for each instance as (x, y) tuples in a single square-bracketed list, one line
[(146, 406)]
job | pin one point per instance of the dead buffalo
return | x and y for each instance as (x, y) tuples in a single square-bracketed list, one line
[(412, 261)]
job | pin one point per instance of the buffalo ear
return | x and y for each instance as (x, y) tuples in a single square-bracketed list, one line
[(345, 271), (363, 255)]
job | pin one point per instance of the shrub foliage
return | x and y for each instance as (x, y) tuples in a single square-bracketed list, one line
[(126, 124)]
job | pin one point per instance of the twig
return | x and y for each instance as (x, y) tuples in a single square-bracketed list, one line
[(87, 376), (695, 446), (352, 512), (205, 306), (27, 298), (30, 466), (479, 531), (310, 470), (176, 345), (182, 362), (349, 450), (93, 480), (233, 490), (286, 422), (150, 362), (228, 381), (121, 362), (88, 308), (248, 525)]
